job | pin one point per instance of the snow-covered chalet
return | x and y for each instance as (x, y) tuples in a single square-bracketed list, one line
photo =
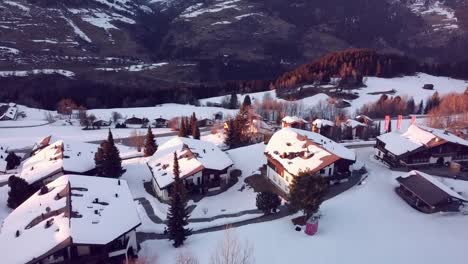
[(49, 161), (420, 146), (291, 151), (294, 122), (74, 219), (204, 168), (427, 194)]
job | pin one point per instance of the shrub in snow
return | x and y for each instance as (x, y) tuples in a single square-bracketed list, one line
[(268, 202), (307, 192), (19, 191), (12, 161)]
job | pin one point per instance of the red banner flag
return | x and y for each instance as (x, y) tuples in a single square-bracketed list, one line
[(387, 122), (400, 119), (413, 120)]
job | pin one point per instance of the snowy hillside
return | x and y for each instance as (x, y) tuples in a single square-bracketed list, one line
[(410, 86), (437, 11)]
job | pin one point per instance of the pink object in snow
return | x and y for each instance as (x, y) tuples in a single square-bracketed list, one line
[(311, 227)]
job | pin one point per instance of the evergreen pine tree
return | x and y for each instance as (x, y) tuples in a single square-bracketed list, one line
[(232, 138), (150, 143), (196, 131), (307, 192), (107, 159), (410, 106), (421, 108), (19, 191), (182, 128), (246, 104), (267, 202), (233, 103), (177, 214)]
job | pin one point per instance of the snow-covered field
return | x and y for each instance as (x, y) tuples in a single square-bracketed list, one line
[(20, 137), (367, 224), (410, 86)]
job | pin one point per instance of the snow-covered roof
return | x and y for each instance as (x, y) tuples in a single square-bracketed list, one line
[(73, 215), (194, 156), (300, 150), (293, 119), (322, 123), (354, 123), (417, 136), (364, 117), (435, 182), (69, 156), (10, 111)]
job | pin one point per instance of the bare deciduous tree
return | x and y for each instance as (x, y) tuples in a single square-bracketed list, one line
[(116, 116), (49, 117), (233, 251), (137, 139), (185, 257)]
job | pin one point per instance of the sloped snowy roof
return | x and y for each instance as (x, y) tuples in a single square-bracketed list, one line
[(322, 122), (293, 119), (353, 123), (73, 215), (309, 150), (417, 136), (69, 156), (435, 182), (194, 156)]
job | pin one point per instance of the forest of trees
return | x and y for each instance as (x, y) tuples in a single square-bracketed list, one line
[(451, 112), (350, 66)]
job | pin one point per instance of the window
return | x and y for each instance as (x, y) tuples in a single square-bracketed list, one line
[(322, 171)]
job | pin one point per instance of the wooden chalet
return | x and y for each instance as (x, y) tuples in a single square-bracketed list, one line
[(101, 123), (204, 168), (73, 220), (161, 122), (135, 122), (205, 122), (291, 151), (420, 147), (294, 122), (323, 127), (428, 195)]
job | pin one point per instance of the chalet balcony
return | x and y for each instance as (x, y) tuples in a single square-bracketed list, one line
[(445, 154), (118, 245)]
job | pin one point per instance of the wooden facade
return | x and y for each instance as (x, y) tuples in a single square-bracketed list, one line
[(425, 196), (118, 251), (434, 155), (199, 183)]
